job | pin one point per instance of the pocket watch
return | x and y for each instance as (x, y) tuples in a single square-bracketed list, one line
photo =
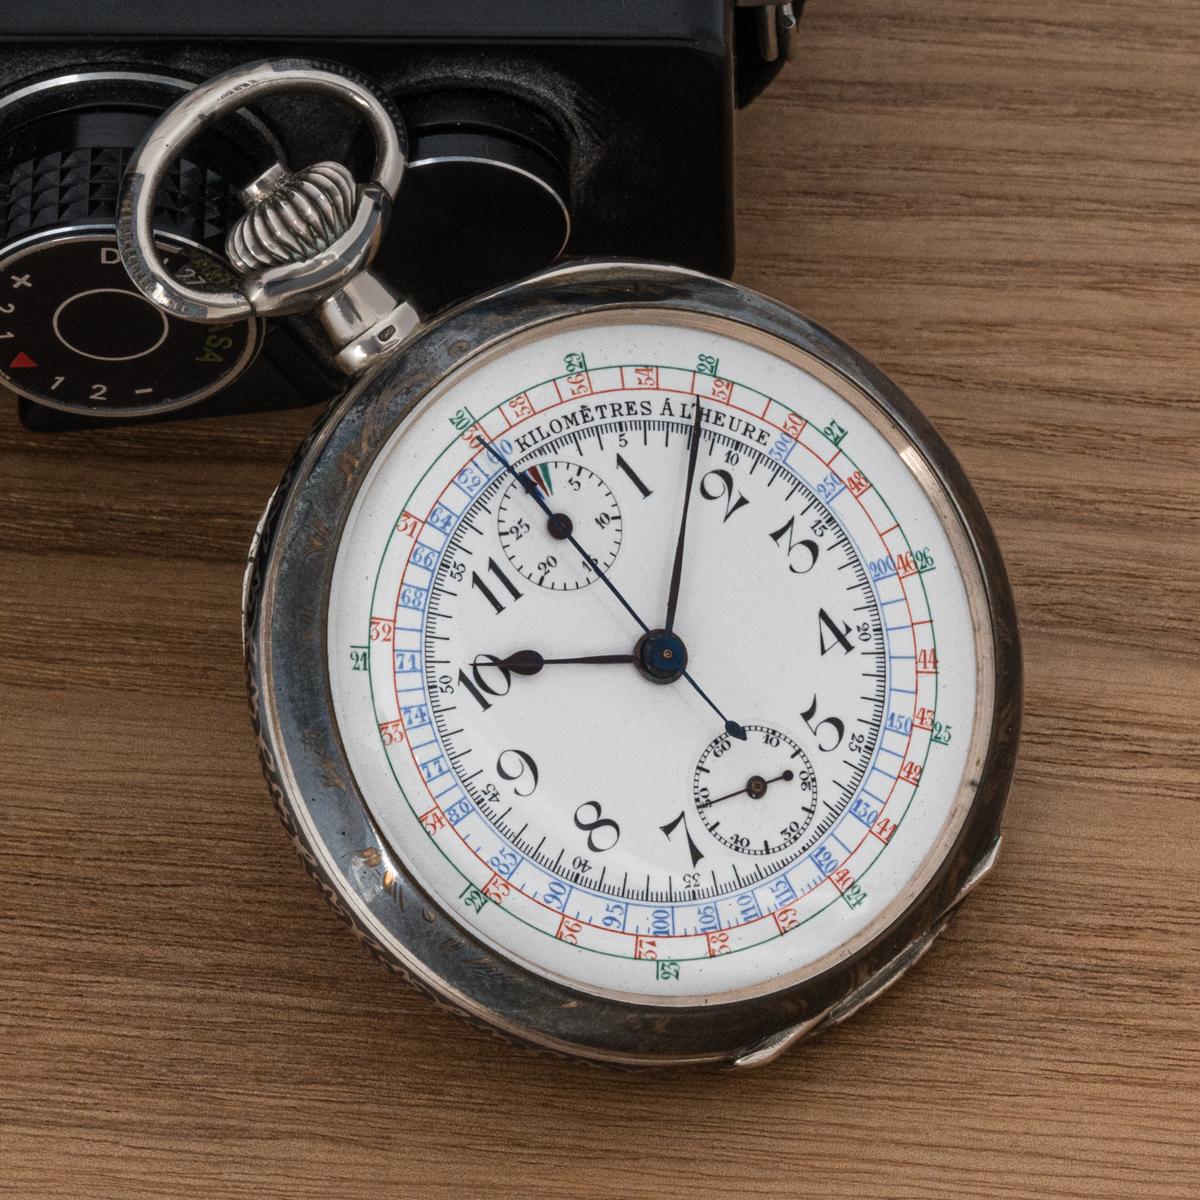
[(632, 664)]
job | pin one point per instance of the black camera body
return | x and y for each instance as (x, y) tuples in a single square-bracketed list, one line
[(536, 129)]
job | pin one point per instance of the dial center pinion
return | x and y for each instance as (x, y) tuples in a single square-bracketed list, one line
[(661, 656)]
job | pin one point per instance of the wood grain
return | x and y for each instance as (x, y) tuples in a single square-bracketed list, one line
[(997, 203)]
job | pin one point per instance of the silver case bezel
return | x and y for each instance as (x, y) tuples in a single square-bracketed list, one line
[(313, 788)]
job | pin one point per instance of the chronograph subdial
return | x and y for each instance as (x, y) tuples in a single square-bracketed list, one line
[(581, 503), (756, 796)]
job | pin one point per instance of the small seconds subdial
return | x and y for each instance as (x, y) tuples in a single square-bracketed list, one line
[(756, 796), (582, 504)]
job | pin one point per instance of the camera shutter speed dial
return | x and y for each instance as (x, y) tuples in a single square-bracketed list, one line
[(75, 334)]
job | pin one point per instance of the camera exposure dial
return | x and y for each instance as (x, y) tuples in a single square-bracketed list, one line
[(77, 335)]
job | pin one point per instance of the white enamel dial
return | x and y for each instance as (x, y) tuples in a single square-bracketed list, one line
[(616, 825)]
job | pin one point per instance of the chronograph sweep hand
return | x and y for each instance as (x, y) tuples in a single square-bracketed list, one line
[(560, 527)]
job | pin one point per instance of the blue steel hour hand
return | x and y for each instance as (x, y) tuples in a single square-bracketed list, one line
[(530, 662), (656, 646)]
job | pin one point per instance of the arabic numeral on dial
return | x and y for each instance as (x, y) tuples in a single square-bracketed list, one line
[(718, 485), (504, 862), (830, 487), (837, 728), (482, 686), (825, 859), (835, 432), (513, 765), (669, 828), (470, 479), (603, 833), (881, 568), (801, 552), (488, 594), (840, 636), (518, 529)]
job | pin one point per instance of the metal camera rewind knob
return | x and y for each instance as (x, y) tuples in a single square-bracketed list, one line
[(308, 237)]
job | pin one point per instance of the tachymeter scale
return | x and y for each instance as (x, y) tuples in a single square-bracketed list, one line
[(76, 334)]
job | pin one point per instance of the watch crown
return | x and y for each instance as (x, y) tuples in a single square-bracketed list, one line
[(291, 216)]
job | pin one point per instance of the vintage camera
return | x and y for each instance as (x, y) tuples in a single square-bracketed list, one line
[(535, 129)]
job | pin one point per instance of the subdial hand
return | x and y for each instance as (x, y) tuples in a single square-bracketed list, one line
[(756, 789), (530, 662)]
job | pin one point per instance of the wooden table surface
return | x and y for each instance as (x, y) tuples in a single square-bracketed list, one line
[(1000, 204)]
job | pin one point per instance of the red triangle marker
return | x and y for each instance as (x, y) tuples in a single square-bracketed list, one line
[(22, 360)]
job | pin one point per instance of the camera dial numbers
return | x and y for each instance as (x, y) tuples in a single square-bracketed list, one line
[(582, 505), (75, 334), (757, 796)]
